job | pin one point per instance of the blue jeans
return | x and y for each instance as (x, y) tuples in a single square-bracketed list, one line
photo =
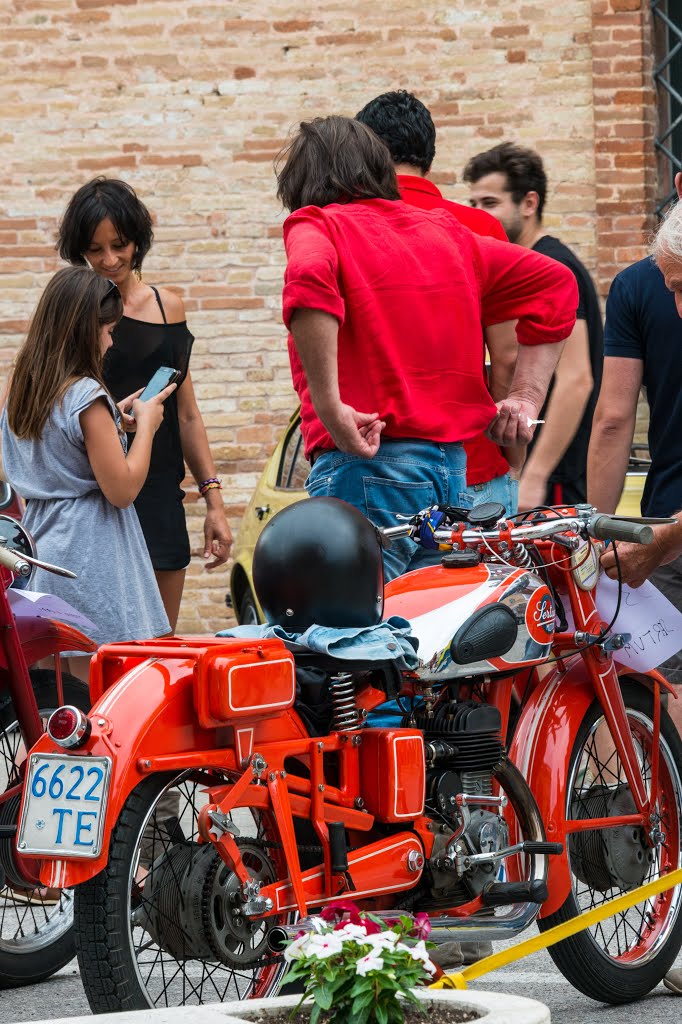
[(404, 477)]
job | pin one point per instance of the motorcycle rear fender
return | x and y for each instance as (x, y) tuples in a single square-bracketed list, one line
[(146, 723), (39, 638), (541, 749)]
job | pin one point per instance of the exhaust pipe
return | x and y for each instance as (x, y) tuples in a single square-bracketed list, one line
[(479, 928), (278, 939), (281, 935)]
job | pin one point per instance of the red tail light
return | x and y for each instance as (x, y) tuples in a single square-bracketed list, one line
[(68, 726)]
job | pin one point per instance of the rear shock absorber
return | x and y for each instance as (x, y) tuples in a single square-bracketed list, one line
[(345, 715)]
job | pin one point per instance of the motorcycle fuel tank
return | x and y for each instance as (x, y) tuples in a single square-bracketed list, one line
[(444, 603)]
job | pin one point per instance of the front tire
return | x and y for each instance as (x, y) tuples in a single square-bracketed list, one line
[(154, 928), (36, 926), (627, 955)]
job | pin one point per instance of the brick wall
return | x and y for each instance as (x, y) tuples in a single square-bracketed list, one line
[(190, 101), (625, 121)]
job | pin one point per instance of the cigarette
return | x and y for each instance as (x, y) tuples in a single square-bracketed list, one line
[(531, 423)]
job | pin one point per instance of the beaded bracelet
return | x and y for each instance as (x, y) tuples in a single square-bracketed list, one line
[(209, 485)]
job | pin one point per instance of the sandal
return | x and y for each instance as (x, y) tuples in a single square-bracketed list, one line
[(42, 897)]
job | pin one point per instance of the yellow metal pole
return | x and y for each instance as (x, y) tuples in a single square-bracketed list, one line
[(559, 932)]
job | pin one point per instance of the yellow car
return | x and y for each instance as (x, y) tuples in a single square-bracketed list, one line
[(282, 484), (630, 499)]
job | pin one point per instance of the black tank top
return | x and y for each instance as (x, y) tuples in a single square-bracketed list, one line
[(139, 349)]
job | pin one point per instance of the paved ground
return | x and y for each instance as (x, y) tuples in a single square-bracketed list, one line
[(536, 977)]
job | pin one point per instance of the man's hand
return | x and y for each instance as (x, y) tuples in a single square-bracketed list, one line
[(510, 426), (637, 561), (357, 433)]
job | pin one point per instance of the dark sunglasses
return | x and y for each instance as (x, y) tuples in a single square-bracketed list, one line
[(111, 290)]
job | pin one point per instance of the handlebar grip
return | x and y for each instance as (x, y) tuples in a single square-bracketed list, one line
[(605, 527), (15, 563)]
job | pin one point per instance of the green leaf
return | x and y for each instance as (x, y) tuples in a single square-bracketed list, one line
[(324, 996), (315, 1014), (381, 1013), (365, 999), (359, 1014)]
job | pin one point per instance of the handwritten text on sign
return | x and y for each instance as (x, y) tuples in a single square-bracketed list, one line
[(654, 623)]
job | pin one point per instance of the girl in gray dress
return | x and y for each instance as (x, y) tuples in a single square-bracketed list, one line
[(64, 450)]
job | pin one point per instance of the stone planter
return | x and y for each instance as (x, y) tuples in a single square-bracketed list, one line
[(494, 1008)]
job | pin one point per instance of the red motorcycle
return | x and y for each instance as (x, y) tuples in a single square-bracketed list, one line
[(205, 809), (36, 925)]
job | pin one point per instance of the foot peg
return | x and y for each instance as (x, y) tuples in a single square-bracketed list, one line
[(549, 849), (501, 894)]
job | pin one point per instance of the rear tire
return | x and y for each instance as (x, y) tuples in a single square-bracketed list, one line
[(627, 955), (153, 928), (36, 938)]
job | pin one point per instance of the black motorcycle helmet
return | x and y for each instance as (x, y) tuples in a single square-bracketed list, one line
[(319, 561)]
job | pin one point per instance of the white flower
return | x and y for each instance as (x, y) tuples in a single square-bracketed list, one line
[(323, 946), (418, 952), (296, 950), (352, 933), (369, 963), (383, 940)]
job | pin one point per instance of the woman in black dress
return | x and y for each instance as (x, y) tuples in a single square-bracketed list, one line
[(106, 226)]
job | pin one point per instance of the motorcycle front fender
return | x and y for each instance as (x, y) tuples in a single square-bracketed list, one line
[(146, 723), (541, 749)]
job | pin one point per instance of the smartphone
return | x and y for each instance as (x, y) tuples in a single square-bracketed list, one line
[(164, 376)]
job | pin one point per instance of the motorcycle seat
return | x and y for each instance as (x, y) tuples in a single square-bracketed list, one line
[(335, 666)]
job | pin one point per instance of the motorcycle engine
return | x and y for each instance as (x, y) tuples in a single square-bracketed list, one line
[(463, 744)]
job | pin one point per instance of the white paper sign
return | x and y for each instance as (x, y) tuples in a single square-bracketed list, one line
[(654, 623), (29, 603)]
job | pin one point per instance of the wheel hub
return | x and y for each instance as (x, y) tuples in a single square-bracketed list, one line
[(191, 905), (618, 857)]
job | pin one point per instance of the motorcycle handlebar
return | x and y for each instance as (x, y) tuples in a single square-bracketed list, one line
[(600, 526), (15, 563), (605, 527)]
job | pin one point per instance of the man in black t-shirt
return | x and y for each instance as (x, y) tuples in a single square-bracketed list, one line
[(509, 181), (643, 346)]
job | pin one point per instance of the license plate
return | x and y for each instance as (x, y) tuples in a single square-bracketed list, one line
[(64, 805)]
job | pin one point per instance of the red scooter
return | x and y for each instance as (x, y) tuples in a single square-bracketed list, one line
[(206, 809), (36, 924)]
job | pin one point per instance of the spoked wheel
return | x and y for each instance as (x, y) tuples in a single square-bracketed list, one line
[(36, 925), (160, 926), (626, 955)]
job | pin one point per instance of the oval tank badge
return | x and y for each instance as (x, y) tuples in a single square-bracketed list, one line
[(540, 616)]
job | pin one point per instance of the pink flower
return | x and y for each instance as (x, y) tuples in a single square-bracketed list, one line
[(371, 927), (422, 926), (337, 910)]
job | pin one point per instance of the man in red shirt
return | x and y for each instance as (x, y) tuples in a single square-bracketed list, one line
[(385, 304), (406, 126)]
